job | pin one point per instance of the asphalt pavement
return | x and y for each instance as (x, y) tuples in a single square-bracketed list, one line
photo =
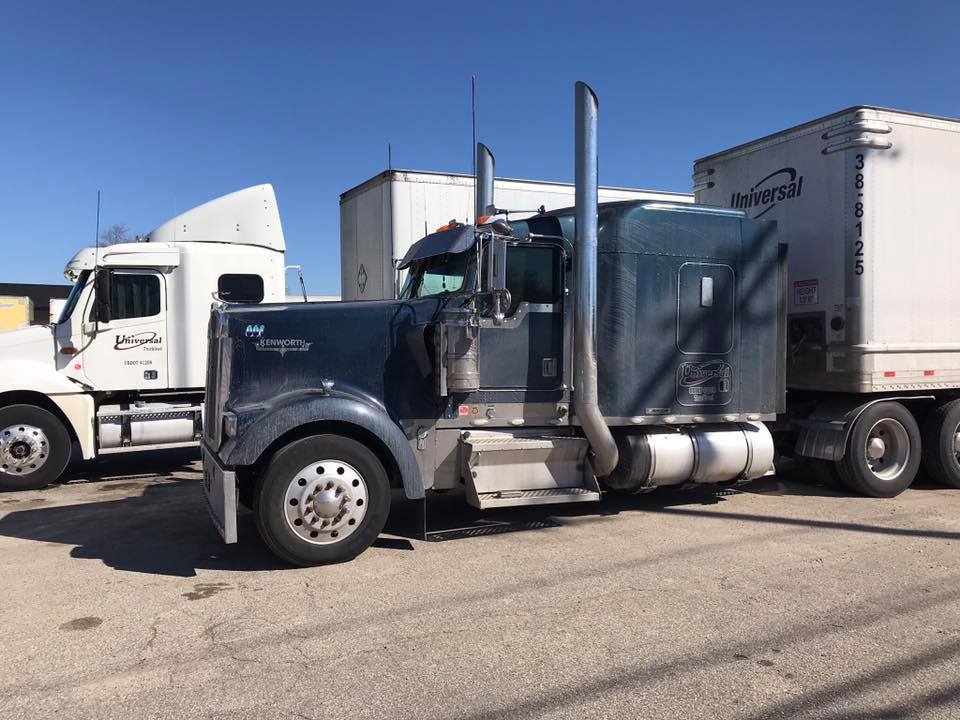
[(784, 599)]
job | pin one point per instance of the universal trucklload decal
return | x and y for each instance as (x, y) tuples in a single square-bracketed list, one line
[(135, 340), (784, 184)]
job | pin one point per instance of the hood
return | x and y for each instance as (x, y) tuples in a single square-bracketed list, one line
[(33, 344), (33, 335)]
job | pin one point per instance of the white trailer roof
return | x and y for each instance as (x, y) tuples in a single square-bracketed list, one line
[(951, 123), (503, 183)]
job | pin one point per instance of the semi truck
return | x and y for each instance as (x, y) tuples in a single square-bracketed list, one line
[(864, 200), (122, 368), (625, 346), (383, 216)]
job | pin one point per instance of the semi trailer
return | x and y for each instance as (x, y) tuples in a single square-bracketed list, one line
[(122, 368), (383, 216), (624, 346), (864, 198)]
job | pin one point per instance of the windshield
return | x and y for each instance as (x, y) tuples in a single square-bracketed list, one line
[(436, 276), (73, 296)]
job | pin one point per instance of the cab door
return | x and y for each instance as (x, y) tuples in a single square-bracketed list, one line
[(525, 352), (129, 352)]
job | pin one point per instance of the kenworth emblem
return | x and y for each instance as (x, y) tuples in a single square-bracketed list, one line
[(255, 331), (780, 185), (282, 345)]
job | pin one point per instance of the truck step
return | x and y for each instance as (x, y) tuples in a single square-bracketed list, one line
[(522, 467), (513, 498)]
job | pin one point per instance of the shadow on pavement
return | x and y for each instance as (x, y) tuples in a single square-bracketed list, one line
[(165, 528)]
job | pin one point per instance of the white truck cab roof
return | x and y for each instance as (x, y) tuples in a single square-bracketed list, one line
[(245, 217)]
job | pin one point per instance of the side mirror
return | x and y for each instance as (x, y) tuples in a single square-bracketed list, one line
[(103, 285)]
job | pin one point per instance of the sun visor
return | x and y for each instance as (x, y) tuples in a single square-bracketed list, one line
[(454, 241)]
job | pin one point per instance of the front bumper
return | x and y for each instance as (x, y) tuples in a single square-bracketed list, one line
[(220, 493)]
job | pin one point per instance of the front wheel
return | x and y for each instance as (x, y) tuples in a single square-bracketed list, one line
[(883, 453), (34, 447), (323, 499)]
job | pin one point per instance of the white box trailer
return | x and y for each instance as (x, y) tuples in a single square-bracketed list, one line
[(382, 217), (865, 200)]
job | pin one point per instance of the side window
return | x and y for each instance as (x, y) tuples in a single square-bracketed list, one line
[(534, 275), (134, 296), (239, 288)]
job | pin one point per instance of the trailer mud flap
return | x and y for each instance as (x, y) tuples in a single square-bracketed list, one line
[(220, 492)]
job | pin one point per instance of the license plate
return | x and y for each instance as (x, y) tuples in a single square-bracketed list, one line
[(220, 492)]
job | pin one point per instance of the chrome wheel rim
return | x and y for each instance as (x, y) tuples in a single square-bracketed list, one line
[(326, 502), (24, 449), (887, 450)]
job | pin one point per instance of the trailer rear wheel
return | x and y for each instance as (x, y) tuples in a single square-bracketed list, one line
[(34, 447), (941, 443), (883, 453), (323, 499)]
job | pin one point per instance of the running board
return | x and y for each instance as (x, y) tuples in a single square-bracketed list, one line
[(506, 469), (514, 498)]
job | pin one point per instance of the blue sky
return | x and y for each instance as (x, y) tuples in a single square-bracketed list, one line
[(163, 106)]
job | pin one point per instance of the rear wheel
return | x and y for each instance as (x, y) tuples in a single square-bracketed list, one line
[(883, 453), (34, 447), (941, 443), (323, 499)]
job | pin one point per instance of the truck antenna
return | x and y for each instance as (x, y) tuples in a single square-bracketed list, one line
[(96, 252), (473, 124), (389, 157)]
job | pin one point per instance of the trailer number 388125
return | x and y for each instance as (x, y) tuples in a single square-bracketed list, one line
[(858, 184)]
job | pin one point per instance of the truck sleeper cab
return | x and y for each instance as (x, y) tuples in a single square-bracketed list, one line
[(488, 373)]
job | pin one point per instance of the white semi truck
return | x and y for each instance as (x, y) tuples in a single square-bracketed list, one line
[(123, 367), (864, 198)]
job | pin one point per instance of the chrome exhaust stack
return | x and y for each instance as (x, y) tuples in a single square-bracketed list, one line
[(484, 181), (585, 395)]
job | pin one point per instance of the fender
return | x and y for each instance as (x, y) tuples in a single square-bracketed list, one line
[(824, 434), (255, 434)]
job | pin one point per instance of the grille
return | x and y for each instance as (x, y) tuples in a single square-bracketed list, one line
[(215, 395)]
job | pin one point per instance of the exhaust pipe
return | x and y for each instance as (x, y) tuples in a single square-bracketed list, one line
[(484, 181), (585, 396)]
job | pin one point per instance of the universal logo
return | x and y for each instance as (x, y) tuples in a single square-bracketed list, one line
[(128, 342), (282, 345), (694, 374), (780, 185), (255, 331)]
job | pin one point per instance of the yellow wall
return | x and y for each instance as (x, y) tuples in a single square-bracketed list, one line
[(15, 313)]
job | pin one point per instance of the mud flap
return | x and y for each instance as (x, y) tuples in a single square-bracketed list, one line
[(220, 493)]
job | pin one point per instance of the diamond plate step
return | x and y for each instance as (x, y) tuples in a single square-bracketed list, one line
[(514, 498)]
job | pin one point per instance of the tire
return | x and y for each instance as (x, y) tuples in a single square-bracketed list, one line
[(890, 429), (34, 447), (940, 449), (323, 499)]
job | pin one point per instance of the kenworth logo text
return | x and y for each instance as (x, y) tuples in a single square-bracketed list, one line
[(282, 345), (780, 185)]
